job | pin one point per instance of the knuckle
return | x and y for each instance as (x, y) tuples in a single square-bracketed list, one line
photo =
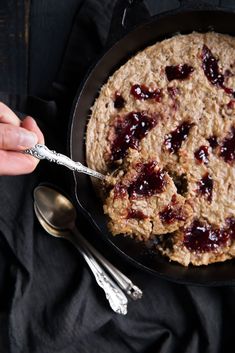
[(5, 136), (7, 115)]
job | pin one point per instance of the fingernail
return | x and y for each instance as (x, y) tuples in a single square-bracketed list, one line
[(27, 139)]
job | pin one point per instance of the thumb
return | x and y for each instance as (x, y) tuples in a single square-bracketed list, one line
[(16, 138)]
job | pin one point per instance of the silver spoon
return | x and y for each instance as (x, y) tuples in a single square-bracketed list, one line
[(42, 152), (116, 298), (58, 212)]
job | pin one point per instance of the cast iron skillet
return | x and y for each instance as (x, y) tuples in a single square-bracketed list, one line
[(157, 29)]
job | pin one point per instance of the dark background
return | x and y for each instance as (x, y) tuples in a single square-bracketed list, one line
[(49, 301)]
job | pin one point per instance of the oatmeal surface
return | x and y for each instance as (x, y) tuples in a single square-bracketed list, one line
[(171, 106)]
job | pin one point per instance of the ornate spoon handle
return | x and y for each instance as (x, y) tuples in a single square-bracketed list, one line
[(123, 281), (115, 296), (42, 152)]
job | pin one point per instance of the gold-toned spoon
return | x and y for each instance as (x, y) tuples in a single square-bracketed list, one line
[(58, 213), (42, 152)]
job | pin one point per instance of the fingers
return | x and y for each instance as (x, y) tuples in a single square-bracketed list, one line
[(14, 138), (30, 124), (7, 116), (15, 163)]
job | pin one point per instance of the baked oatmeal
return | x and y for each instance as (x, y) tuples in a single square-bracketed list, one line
[(164, 127)]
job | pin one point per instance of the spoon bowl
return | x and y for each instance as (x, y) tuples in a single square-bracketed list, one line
[(45, 206), (57, 215), (55, 232), (55, 208)]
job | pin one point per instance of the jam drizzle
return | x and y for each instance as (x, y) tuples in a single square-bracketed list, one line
[(202, 154), (175, 139), (211, 70), (119, 101), (205, 187), (148, 182), (136, 214), (178, 72), (142, 92), (227, 150), (171, 212), (129, 131), (231, 104), (120, 191), (200, 237), (213, 141)]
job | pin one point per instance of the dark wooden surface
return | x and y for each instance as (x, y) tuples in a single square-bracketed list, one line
[(14, 42)]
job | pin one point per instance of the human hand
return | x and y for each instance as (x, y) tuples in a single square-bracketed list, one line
[(16, 136)]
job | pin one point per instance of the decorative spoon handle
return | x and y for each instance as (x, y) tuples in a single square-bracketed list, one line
[(123, 281), (42, 152), (115, 296)]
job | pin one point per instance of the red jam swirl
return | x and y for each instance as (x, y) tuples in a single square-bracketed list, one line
[(175, 139), (200, 237), (227, 150), (211, 70), (231, 104), (202, 154), (149, 181), (178, 72), (213, 141), (205, 187), (119, 101), (136, 214), (120, 191), (170, 214), (129, 132), (142, 92)]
